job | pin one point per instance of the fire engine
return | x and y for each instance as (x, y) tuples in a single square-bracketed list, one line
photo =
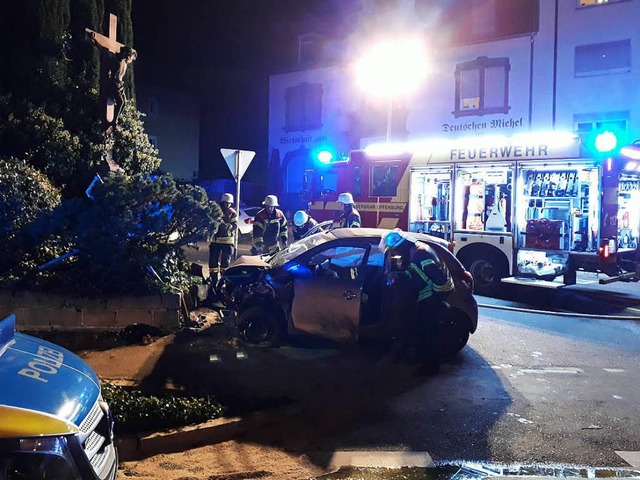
[(542, 206)]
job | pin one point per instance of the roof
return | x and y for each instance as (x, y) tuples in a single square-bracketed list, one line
[(340, 233)]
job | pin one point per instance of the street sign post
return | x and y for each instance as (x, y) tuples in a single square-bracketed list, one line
[(238, 161)]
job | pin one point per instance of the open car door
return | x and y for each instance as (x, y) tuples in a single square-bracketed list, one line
[(328, 302)]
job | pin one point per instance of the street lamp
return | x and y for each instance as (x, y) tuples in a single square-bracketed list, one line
[(392, 68)]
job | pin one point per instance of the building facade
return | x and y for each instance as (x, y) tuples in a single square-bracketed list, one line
[(172, 121), (497, 67)]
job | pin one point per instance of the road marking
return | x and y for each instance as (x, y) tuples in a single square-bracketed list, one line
[(618, 397), (613, 370), (501, 366), (632, 458), (376, 458), (562, 371)]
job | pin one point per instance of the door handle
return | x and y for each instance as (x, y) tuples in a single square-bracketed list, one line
[(349, 295)]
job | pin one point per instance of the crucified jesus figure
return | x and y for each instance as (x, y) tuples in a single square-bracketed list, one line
[(118, 63)]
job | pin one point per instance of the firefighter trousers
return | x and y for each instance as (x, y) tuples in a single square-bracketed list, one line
[(220, 255), (428, 316)]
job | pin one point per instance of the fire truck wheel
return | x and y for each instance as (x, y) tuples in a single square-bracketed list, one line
[(260, 327), (487, 267)]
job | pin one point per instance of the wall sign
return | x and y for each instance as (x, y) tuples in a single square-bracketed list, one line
[(301, 139), (509, 123)]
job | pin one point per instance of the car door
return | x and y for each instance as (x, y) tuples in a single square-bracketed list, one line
[(327, 303)]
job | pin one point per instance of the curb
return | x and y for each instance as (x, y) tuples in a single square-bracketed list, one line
[(136, 447), (559, 314)]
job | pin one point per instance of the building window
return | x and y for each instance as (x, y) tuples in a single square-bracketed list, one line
[(153, 106), (153, 140), (600, 58), (308, 48), (589, 3), (304, 107), (482, 87)]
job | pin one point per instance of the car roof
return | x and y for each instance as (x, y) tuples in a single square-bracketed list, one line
[(340, 233)]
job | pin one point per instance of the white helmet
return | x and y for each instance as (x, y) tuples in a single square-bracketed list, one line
[(226, 197), (270, 201), (346, 198), (300, 218)]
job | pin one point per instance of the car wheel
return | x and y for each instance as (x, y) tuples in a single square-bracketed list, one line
[(260, 327), (454, 333)]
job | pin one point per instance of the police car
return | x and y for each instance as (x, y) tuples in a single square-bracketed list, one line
[(54, 423)]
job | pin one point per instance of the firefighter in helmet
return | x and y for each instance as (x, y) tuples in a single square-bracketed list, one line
[(221, 249), (302, 223), (350, 217), (420, 283), (269, 228)]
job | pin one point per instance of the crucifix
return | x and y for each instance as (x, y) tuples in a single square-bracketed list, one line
[(112, 88)]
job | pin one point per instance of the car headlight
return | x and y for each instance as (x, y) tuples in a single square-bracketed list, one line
[(36, 457)]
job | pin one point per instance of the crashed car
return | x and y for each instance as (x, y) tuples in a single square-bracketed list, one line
[(333, 285)]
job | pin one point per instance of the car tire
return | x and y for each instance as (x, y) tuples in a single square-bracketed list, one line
[(453, 332), (260, 327)]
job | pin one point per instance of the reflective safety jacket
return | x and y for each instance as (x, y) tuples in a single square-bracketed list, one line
[(268, 229), (299, 232), (428, 273), (227, 229), (350, 219)]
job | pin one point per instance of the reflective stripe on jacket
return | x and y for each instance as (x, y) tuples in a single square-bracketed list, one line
[(429, 272), (268, 229), (351, 219), (227, 229)]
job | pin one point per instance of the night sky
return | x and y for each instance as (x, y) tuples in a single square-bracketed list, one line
[(222, 52), (203, 47)]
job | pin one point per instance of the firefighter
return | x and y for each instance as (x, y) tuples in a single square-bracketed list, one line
[(302, 224), (221, 249), (269, 228), (422, 283), (350, 217)]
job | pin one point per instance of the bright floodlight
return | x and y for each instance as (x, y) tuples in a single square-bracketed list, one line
[(392, 68)]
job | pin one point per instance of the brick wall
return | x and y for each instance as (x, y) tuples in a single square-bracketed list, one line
[(45, 311)]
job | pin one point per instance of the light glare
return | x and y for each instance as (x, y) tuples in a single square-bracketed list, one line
[(325, 157), (606, 141), (392, 68), (631, 152)]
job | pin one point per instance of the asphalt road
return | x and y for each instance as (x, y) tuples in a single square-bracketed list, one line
[(529, 388)]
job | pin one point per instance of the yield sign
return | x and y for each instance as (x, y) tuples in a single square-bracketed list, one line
[(237, 160)]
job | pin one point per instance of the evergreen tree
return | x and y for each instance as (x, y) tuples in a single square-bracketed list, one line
[(52, 140), (51, 113)]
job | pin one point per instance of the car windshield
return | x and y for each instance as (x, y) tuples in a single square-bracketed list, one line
[(298, 248)]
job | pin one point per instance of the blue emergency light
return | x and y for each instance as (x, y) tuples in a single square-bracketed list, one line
[(325, 157), (606, 141)]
